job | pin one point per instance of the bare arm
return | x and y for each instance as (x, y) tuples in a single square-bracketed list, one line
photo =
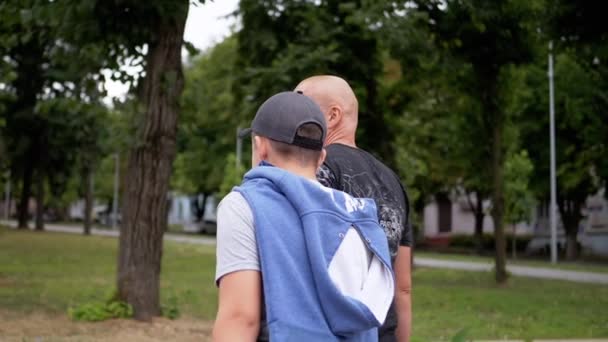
[(403, 298), (240, 305)]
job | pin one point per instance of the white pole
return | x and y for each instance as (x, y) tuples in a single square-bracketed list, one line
[(239, 148), (553, 204), (115, 199), (7, 197)]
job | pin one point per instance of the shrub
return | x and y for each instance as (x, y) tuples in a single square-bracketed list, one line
[(114, 308), (93, 312), (101, 311), (468, 242), (171, 309)]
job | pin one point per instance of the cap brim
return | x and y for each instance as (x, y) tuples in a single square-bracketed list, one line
[(245, 132)]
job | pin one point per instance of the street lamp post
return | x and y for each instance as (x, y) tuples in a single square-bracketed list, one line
[(552, 206)]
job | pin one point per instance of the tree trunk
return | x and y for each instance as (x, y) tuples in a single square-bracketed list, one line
[(514, 244), (26, 191), (149, 169), (498, 200), (203, 207), (569, 206), (88, 200), (479, 216), (418, 207), (199, 208), (571, 246), (40, 202), (28, 84)]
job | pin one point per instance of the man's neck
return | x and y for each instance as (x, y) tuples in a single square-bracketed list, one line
[(295, 168), (337, 138)]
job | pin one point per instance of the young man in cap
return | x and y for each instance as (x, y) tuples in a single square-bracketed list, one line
[(353, 170), (297, 261)]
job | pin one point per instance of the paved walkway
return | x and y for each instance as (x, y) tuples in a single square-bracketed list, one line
[(522, 271), (58, 228)]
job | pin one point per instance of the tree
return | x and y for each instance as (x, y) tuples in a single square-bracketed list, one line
[(148, 35), (440, 116), (144, 207), (37, 58), (488, 36), (519, 199), (580, 32), (92, 146), (23, 56), (581, 128)]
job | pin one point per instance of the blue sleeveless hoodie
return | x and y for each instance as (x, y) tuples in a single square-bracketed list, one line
[(299, 225)]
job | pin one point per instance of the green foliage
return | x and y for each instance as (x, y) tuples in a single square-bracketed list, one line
[(207, 130), (519, 199), (283, 42), (475, 79), (101, 311), (581, 130), (93, 312), (171, 308), (57, 52), (233, 175), (441, 100), (49, 93), (115, 142)]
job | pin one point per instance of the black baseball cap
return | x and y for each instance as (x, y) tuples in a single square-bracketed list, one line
[(280, 117)]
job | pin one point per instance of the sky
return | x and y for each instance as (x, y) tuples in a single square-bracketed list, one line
[(206, 25)]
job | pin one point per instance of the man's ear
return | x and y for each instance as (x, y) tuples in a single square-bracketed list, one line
[(334, 116), (261, 147)]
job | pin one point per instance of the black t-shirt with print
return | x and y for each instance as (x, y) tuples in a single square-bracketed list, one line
[(359, 174)]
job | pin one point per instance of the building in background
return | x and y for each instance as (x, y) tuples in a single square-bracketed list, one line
[(447, 216), (182, 212)]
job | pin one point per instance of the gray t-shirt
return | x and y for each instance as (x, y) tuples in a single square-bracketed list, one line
[(236, 245)]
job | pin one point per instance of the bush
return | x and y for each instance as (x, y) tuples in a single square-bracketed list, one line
[(232, 175), (114, 308), (468, 242), (101, 311), (171, 309), (93, 312)]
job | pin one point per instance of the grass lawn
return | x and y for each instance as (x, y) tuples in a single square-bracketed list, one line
[(52, 271), (563, 265), (48, 272)]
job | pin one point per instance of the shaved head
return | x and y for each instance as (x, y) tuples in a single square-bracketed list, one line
[(337, 101)]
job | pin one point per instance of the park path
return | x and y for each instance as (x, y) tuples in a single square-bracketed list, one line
[(478, 266), (521, 271), (59, 228)]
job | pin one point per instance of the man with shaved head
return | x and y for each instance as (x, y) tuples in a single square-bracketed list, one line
[(356, 172)]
